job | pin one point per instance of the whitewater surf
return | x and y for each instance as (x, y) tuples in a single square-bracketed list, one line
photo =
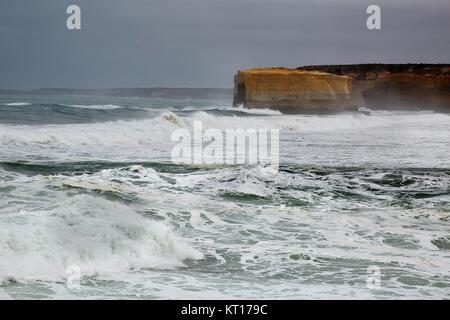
[(89, 182)]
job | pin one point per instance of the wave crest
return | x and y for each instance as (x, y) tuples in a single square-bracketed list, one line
[(99, 236), (17, 104)]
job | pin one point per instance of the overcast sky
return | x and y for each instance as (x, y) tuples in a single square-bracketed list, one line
[(202, 43)]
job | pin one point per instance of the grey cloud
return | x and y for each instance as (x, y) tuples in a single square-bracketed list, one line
[(203, 42)]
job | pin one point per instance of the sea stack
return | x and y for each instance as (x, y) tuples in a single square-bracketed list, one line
[(336, 88)]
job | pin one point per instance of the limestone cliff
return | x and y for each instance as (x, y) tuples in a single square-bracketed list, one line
[(292, 90), (316, 89), (397, 86)]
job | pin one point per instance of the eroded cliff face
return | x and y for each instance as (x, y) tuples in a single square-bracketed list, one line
[(317, 89), (397, 86), (293, 90)]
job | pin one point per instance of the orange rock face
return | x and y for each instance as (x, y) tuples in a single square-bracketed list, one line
[(293, 90), (397, 86), (408, 91), (318, 89)]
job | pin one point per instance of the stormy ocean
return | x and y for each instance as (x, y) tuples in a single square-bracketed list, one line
[(87, 187)]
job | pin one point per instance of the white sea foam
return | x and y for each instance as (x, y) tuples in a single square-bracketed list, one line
[(296, 234), (17, 104), (424, 135), (95, 106), (99, 236), (126, 180), (307, 123), (145, 131), (119, 133), (331, 247), (270, 112)]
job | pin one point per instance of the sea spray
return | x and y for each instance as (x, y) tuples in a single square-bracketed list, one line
[(99, 236)]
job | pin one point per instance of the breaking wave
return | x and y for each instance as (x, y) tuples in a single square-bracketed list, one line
[(95, 107), (96, 189), (138, 131), (17, 104), (141, 139), (99, 236)]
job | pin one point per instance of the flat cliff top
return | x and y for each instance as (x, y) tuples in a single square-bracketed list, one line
[(281, 72), (413, 68)]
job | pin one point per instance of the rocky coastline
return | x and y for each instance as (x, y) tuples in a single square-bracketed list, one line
[(337, 88)]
